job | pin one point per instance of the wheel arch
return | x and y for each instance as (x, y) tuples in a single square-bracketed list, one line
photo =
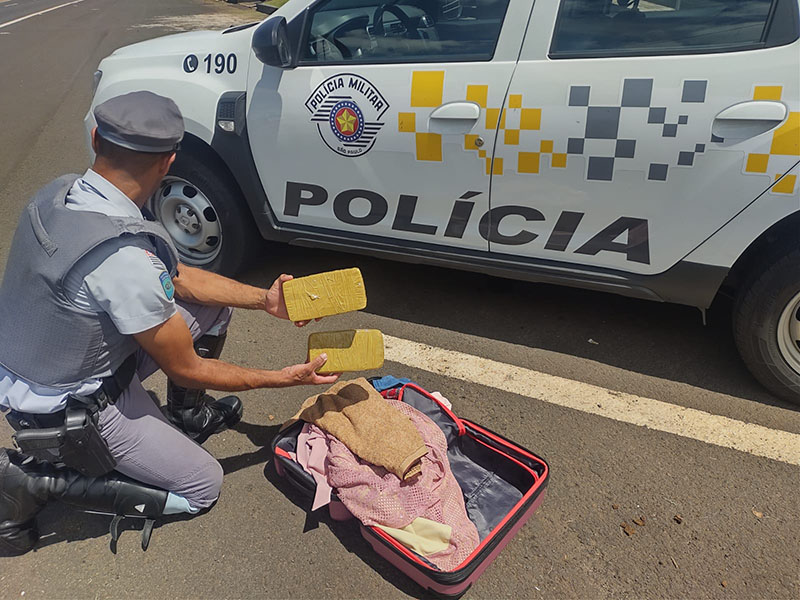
[(769, 246), (230, 160)]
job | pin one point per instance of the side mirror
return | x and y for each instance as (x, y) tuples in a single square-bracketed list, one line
[(271, 43)]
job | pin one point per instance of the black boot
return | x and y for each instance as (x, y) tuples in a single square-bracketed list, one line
[(196, 413), (27, 484), (19, 504)]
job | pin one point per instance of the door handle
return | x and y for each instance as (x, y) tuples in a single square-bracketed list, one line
[(454, 118), (748, 119), (466, 111)]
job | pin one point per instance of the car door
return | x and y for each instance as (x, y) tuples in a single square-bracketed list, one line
[(658, 122), (386, 125)]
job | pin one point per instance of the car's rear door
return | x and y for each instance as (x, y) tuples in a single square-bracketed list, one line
[(374, 132), (655, 123)]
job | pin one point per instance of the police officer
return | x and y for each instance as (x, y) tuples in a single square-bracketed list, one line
[(93, 301)]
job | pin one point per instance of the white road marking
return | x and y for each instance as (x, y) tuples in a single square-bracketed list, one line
[(645, 412), (41, 12)]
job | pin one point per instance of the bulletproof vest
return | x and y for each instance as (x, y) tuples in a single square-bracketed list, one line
[(44, 337)]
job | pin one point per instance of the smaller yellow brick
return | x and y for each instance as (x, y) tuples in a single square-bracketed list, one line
[(528, 162), (785, 185), (559, 160), (478, 94), (429, 146), (503, 119), (515, 101), (768, 92), (757, 163), (511, 137), (469, 142), (488, 166), (546, 146), (531, 118), (482, 153), (324, 294), (406, 122), (492, 116), (350, 350)]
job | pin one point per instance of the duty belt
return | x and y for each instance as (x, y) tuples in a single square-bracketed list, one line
[(111, 388), (71, 436)]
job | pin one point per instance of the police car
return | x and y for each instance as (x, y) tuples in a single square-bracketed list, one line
[(644, 147)]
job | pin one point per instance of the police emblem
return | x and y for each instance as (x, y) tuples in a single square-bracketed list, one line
[(347, 110)]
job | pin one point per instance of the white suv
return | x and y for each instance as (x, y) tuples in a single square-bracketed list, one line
[(648, 148)]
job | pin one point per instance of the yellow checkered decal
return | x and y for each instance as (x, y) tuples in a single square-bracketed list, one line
[(785, 142), (512, 124), (517, 123)]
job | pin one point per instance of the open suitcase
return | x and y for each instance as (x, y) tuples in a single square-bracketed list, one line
[(502, 482)]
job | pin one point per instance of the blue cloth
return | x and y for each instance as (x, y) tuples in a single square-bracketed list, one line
[(388, 382)]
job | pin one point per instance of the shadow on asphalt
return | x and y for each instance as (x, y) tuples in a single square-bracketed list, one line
[(347, 532), (260, 436), (667, 341), (57, 524)]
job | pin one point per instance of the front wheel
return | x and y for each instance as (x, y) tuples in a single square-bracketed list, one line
[(767, 326), (204, 212)]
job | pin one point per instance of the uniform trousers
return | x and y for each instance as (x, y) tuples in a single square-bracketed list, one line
[(145, 445)]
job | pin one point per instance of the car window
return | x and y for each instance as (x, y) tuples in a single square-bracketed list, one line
[(369, 31), (589, 28)]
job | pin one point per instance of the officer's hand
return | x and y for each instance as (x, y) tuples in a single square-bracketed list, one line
[(275, 303), (306, 374)]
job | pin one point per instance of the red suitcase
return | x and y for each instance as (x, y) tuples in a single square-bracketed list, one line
[(503, 484)]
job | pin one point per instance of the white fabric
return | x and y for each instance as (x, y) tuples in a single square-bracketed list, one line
[(126, 281)]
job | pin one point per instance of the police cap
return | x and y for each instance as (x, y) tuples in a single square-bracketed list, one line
[(141, 121)]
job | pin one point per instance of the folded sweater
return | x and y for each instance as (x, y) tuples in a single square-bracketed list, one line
[(359, 417)]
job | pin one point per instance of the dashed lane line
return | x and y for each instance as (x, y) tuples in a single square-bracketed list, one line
[(41, 12), (653, 414)]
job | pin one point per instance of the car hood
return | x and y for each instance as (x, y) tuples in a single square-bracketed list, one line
[(176, 43)]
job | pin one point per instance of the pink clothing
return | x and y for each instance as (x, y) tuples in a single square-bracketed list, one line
[(312, 455), (377, 497)]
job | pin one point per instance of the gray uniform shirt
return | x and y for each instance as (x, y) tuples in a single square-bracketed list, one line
[(131, 284)]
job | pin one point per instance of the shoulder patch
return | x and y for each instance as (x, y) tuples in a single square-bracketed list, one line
[(166, 283)]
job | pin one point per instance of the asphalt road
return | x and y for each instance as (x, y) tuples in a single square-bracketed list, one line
[(740, 531)]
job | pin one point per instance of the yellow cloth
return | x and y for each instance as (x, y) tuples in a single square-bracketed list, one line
[(357, 415), (422, 535)]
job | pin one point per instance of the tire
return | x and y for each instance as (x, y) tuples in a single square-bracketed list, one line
[(202, 208), (766, 325)]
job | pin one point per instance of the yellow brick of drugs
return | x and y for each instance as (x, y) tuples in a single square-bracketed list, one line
[(325, 294), (349, 350)]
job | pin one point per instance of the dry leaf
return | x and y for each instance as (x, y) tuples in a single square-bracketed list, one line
[(724, 583), (615, 506), (629, 531), (678, 519), (271, 417), (758, 514), (639, 521)]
